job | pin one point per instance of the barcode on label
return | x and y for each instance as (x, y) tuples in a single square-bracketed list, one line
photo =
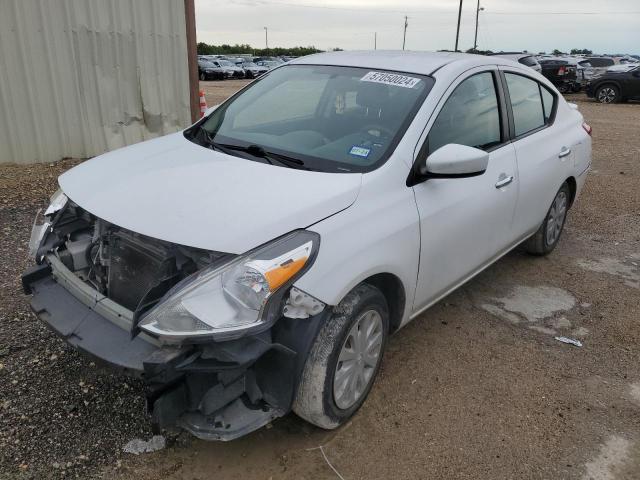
[(391, 79)]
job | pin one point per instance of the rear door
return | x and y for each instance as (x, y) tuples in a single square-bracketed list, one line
[(465, 222), (544, 144), (631, 83)]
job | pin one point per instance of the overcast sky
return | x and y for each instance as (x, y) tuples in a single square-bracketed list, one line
[(514, 25)]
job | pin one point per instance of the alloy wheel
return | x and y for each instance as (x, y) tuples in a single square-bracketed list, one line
[(358, 359), (607, 95), (555, 220)]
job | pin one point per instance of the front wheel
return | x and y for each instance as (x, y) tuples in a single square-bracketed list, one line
[(203, 77), (608, 94), (344, 360), (548, 235)]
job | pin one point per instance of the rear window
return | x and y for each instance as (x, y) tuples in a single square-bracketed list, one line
[(526, 103), (601, 62), (529, 61), (548, 100)]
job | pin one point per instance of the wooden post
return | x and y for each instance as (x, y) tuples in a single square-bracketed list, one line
[(192, 60)]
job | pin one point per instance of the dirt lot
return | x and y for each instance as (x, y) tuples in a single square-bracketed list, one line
[(476, 388)]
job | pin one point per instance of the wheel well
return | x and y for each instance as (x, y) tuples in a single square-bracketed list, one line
[(607, 83), (393, 290), (573, 188)]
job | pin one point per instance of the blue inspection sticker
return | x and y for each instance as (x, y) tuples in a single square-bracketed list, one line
[(359, 151)]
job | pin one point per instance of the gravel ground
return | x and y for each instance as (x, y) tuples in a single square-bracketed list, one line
[(476, 387)]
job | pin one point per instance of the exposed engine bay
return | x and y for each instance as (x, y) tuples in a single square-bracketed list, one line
[(133, 270), (94, 281)]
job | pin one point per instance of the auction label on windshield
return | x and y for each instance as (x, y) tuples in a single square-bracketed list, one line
[(391, 79)]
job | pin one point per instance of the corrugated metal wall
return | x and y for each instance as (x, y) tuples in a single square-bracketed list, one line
[(81, 77)]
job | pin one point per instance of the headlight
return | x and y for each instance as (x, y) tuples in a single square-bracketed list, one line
[(229, 300), (42, 222)]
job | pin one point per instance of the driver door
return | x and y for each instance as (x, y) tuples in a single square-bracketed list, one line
[(465, 223)]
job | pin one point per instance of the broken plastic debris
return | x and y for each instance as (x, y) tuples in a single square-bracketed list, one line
[(138, 446), (571, 341)]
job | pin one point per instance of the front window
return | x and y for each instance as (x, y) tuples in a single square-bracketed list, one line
[(470, 116), (332, 119)]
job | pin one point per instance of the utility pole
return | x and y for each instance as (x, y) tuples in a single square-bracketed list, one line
[(375, 40), (406, 24), (458, 30), (475, 41), (266, 37)]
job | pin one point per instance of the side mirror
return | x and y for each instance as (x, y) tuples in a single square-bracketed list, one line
[(455, 161), (450, 161)]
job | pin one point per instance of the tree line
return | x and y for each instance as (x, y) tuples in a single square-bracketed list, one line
[(225, 49)]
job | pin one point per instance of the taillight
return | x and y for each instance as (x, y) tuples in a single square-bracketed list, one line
[(587, 128), (562, 71)]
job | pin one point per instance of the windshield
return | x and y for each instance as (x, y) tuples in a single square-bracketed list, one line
[(334, 119), (225, 63), (249, 64)]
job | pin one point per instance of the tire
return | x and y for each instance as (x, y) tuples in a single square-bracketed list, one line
[(319, 399), (203, 77), (608, 94), (543, 242)]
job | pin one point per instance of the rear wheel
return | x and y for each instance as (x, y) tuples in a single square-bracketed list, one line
[(608, 94), (548, 235), (344, 360)]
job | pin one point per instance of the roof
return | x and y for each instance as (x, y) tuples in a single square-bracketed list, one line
[(424, 63)]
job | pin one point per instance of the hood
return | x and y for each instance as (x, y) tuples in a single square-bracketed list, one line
[(175, 190)]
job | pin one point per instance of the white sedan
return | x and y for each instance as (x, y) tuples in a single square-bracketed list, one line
[(257, 262)]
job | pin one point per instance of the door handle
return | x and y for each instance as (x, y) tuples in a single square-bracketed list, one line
[(564, 152), (503, 182)]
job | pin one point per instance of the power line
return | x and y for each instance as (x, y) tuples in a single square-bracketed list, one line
[(431, 12), (563, 13)]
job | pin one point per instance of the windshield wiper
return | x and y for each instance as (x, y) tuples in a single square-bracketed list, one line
[(258, 151), (254, 150)]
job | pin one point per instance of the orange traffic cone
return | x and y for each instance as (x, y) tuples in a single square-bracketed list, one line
[(203, 104)]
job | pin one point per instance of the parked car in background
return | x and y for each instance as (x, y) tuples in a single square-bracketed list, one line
[(615, 86), (623, 67), (268, 64), (234, 70), (209, 71), (277, 60), (562, 73), (257, 262), (230, 70), (584, 70), (600, 64), (524, 58), (251, 70), (587, 70)]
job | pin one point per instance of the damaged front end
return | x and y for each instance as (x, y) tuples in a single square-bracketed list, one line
[(219, 339)]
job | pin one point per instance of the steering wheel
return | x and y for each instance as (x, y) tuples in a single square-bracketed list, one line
[(384, 131)]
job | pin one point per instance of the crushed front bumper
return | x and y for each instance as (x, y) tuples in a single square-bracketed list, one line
[(216, 391)]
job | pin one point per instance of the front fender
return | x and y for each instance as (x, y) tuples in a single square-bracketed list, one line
[(379, 233)]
